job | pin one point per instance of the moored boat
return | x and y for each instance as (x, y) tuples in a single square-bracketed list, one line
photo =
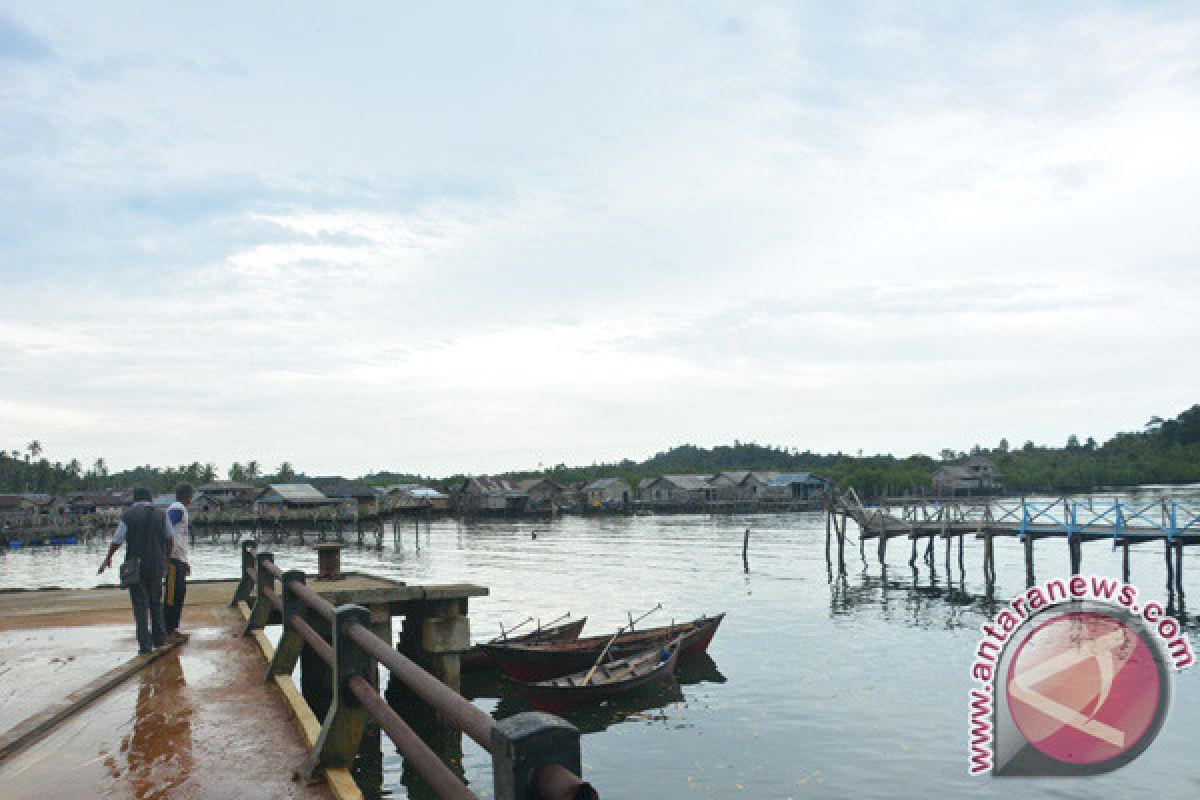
[(477, 658), (649, 667), (539, 662)]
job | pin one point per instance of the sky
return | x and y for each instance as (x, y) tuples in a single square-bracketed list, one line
[(470, 237)]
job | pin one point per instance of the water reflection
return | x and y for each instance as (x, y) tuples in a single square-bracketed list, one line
[(928, 598), (158, 752), (636, 706)]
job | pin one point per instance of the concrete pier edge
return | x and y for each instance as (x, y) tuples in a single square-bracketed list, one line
[(33, 728), (340, 782)]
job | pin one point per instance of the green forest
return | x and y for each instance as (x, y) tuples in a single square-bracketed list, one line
[(1164, 451)]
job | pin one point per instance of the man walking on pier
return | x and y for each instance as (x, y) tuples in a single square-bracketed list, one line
[(178, 568), (147, 536)]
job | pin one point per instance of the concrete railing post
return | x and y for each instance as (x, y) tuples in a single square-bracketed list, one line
[(245, 585), (264, 581), (346, 719), (523, 744), (291, 643)]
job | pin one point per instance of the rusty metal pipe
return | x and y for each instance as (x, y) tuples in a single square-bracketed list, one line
[(313, 600), (457, 709), (444, 783), (314, 640), (275, 599), (556, 782), (273, 568)]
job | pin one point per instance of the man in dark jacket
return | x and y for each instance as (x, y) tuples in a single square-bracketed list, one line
[(147, 535)]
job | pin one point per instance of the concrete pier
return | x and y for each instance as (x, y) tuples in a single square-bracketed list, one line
[(199, 720)]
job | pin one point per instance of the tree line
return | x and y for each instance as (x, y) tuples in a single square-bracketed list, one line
[(1165, 451)]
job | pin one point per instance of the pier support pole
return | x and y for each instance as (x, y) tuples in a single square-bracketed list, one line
[(1170, 566), (989, 560), (1125, 561), (828, 532), (1075, 551), (1179, 570), (1029, 576), (746, 551)]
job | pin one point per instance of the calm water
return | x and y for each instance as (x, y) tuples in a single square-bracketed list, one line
[(816, 688)]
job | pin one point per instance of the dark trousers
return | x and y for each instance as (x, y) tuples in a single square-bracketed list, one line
[(174, 593), (146, 596)]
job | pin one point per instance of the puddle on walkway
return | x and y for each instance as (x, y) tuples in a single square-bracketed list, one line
[(197, 723)]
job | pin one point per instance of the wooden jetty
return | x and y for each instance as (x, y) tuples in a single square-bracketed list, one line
[(336, 627), (327, 522), (1122, 523)]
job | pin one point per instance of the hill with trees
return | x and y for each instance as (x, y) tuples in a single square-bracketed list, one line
[(1165, 451)]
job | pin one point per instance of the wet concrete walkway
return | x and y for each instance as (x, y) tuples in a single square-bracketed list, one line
[(198, 722)]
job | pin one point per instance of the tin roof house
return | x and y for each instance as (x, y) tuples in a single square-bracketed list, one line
[(796, 486), (291, 496), (676, 490), (351, 492), (976, 475), (488, 494), (544, 494), (608, 493)]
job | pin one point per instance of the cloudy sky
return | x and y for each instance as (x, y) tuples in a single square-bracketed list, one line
[(465, 237)]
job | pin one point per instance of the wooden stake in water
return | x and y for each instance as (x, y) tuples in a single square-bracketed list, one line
[(746, 550)]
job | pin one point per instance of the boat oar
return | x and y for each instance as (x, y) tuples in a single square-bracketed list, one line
[(504, 633), (554, 621), (587, 678)]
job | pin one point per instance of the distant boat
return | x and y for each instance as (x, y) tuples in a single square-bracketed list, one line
[(539, 662), (650, 667), (477, 658)]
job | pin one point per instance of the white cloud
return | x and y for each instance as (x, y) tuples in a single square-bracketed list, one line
[(444, 244)]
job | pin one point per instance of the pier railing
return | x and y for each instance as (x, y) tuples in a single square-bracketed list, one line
[(534, 755)]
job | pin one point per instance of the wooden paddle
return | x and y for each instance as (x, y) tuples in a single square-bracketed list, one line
[(504, 633), (587, 678), (554, 621)]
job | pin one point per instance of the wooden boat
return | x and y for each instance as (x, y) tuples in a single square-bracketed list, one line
[(540, 662), (478, 658), (648, 667)]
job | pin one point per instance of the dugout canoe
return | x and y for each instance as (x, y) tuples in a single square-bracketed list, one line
[(477, 658), (530, 663), (649, 667)]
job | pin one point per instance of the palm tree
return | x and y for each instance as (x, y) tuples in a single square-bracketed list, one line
[(34, 448), (101, 468), (286, 472), (252, 470)]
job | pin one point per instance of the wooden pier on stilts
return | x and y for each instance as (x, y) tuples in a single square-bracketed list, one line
[(1121, 522)]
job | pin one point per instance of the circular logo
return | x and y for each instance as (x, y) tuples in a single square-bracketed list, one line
[(1085, 688)]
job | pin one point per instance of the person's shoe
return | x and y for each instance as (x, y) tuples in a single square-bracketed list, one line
[(145, 651), (177, 637)]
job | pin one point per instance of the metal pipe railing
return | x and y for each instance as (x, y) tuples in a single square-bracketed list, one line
[(456, 708), (444, 783), (510, 745)]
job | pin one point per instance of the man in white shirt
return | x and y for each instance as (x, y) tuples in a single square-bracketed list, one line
[(147, 537), (177, 564)]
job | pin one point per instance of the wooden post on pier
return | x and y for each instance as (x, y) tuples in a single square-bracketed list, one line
[(1179, 570), (1075, 550), (989, 559), (746, 551), (1170, 565), (828, 531), (1029, 576), (1125, 561)]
